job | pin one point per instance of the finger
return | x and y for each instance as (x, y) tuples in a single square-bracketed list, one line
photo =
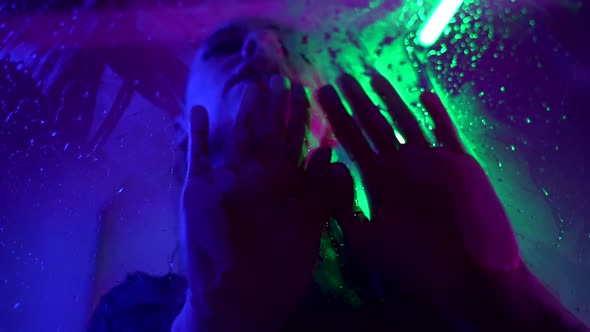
[(345, 128), (444, 129), (317, 196), (342, 191), (399, 111), (279, 105), (318, 183), (276, 115), (367, 113), (205, 224), (243, 136), (260, 124), (319, 161), (297, 120), (198, 156)]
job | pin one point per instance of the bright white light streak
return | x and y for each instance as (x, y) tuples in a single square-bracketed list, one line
[(399, 137), (438, 21)]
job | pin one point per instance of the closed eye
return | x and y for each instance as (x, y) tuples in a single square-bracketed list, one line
[(222, 49), (224, 42)]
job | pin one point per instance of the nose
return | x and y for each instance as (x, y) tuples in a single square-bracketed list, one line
[(263, 44)]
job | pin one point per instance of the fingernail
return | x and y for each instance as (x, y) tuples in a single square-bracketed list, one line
[(278, 83)]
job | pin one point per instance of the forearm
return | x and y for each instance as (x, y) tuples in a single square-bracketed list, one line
[(517, 301), (527, 304)]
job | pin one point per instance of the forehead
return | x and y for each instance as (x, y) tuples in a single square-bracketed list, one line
[(241, 27), (255, 23)]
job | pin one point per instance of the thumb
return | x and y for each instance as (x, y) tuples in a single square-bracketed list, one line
[(354, 225), (317, 183)]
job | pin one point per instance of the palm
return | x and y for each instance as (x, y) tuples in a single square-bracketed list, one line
[(415, 204), (436, 218), (251, 229), (260, 247)]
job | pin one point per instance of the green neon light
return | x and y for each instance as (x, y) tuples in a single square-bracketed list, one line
[(438, 21)]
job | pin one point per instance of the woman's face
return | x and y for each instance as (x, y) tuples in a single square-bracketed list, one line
[(234, 56)]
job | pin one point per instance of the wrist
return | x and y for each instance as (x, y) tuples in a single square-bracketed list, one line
[(514, 301)]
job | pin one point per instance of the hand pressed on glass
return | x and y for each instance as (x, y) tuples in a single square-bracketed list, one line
[(437, 221), (252, 229)]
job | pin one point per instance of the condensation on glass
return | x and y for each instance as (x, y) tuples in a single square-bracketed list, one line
[(90, 150)]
